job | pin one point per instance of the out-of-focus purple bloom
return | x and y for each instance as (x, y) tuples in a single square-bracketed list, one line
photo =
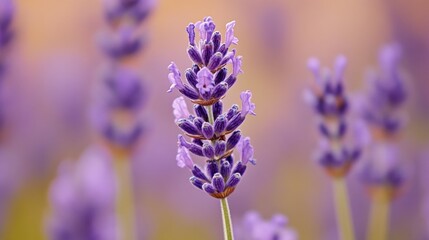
[(6, 17), (214, 133), (253, 227), (82, 198), (137, 10), (386, 95), (117, 117), (329, 100), (381, 109)]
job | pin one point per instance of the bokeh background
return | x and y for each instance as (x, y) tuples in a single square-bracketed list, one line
[(54, 64)]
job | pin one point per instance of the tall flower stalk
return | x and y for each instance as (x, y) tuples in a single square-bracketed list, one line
[(382, 173), (211, 133), (328, 98), (118, 112)]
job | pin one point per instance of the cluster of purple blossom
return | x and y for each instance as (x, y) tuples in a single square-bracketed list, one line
[(213, 133)]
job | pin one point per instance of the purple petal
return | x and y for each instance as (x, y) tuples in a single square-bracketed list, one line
[(180, 110), (230, 38), (205, 80), (236, 65), (247, 105), (183, 158), (246, 150), (175, 77)]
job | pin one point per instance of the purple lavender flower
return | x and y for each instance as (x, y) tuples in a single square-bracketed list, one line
[(382, 109), (117, 116), (329, 100), (6, 33), (386, 95), (213, 133), (253, 227), (83, 199)]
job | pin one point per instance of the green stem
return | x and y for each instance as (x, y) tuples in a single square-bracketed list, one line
[(124, 200), (226, 220), (210, 113), (344, 219), (379, 224)]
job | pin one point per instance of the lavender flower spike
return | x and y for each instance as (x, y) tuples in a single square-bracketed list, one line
[(330, 104), (215, 132)]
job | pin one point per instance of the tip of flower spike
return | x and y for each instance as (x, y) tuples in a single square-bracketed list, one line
[(313, 65), (389, 56)]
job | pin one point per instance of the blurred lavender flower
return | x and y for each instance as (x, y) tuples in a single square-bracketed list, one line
[(381, 110), (329, 101), (117, 116), (253, 227), (6, 17), (207, 82), (82, 199)]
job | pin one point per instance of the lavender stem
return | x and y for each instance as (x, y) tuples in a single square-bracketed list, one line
[(379, 222), (125, 200), (345, 223), (226, 220)]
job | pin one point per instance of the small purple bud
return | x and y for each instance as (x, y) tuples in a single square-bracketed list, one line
[(199, 142), (230, 160), (218, 182), (194, 55), (240, 168), (192, 147), (196, 182), (235, 122), (247, 106), (207, 130), (225, 169), (220, 125), (189, 92), (233, 180), (187, 126), (216, 39), (191, 76), (201, 112), (180, 110), (199, 173), (220, 90), (220, 147), (231, 80), (222, 49), (191, 32), (214, 61), (342, 128), (205, 80), (195, 68), (198, 123), (208, 151), (233, 140), (220, 75), (217, 109), (230, 38), (208, 188), (232, 111), (207, 53), (212, 168)]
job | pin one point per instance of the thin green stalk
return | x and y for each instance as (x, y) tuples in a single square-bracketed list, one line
[(226, 220), (124, 200), (210, 113), (379, 222), (344, 219)]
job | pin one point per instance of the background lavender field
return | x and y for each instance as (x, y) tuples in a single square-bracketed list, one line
[(54, 65)]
